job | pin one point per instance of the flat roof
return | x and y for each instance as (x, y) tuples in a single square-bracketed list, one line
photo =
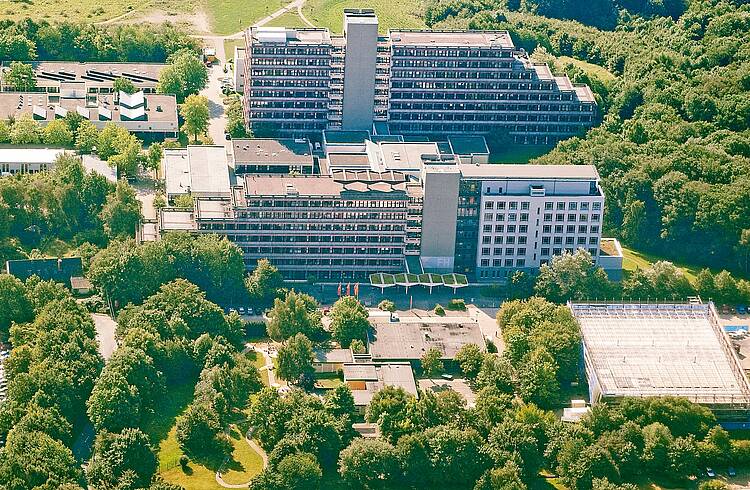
[(660, 350), (333, 355), (410, 340), (199, 169), (365, 380), (272, 151), (348, 160), (30, 155), (290, 36), (314, 185), (96, 74), (176, 220), (214, 209), (522, 171), (487, 39), (468, 145), (405, 156), (159, 107)]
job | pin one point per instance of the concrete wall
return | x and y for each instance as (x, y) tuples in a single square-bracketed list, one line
[(361, 32), (439, 218)]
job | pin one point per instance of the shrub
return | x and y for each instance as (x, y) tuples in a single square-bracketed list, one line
[(457, 304), (387, 305), (184, 460), (439, 311)]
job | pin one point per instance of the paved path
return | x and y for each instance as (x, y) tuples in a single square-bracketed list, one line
[(105, 334), (255, 447)]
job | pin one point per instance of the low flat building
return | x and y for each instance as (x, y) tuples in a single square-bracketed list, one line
[(654, 350), (97, 78), (366, 379), (150, 116), (28, 160), (469, 148), (409, 340), (331, 360), (272, 156), (198, 170), (61, 269)]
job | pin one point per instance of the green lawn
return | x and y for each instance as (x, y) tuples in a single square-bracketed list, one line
[(229, 45), (602, 73), (289, 19), (392, 14), (166, 410), (59, 10), (230, 16), (245, 464), (633, 260), (260, 362)]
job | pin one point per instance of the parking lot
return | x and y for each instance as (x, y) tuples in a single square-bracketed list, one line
[(737, 326)]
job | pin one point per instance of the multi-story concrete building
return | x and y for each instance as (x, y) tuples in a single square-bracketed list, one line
[(334, 227), (490, 220), (413, 82)]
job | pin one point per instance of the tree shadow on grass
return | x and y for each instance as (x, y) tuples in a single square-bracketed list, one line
[(166, 409)]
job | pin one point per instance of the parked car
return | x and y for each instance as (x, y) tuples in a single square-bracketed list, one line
[(242, 310), (731, 471), (710, 473), (741, 309)]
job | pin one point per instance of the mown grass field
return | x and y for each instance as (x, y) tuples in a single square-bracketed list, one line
[(599, 71), (633, 260), (392, 14), (230, 16), (288, 19)]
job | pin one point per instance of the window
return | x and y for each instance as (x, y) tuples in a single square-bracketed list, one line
[(511, 228), (584, 206), (510, 251), (487, 228), (558, 229), (581, 240), (485, 262), (499, 228), (498, 239), (597, 206), (523, 228), (521, 251), (513, 205), (594, 229), (510, 240), (486, 251), (558, 240), (595, 217), (497, 263), (593, 240), (583, 217), (512, 216), (570, 229), (560, 206), (500, 217), (524, 216), (559, 217), (545, 240), (522, 240), (489, 205), (545, 252), (556, 251), (486, 240), (547, 216), (582, 229), (508, 262), (501, 205), (572, 206), (548, 206), (521, 263), (571, 217), (525, 206), (546, 229), (488, 216), (569, 240)]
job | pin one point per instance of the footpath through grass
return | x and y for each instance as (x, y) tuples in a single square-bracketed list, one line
[(230, 16), (392, 14)]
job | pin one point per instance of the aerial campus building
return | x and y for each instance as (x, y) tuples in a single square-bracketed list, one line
[(387, 207), (299, 81), (646, 350)]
